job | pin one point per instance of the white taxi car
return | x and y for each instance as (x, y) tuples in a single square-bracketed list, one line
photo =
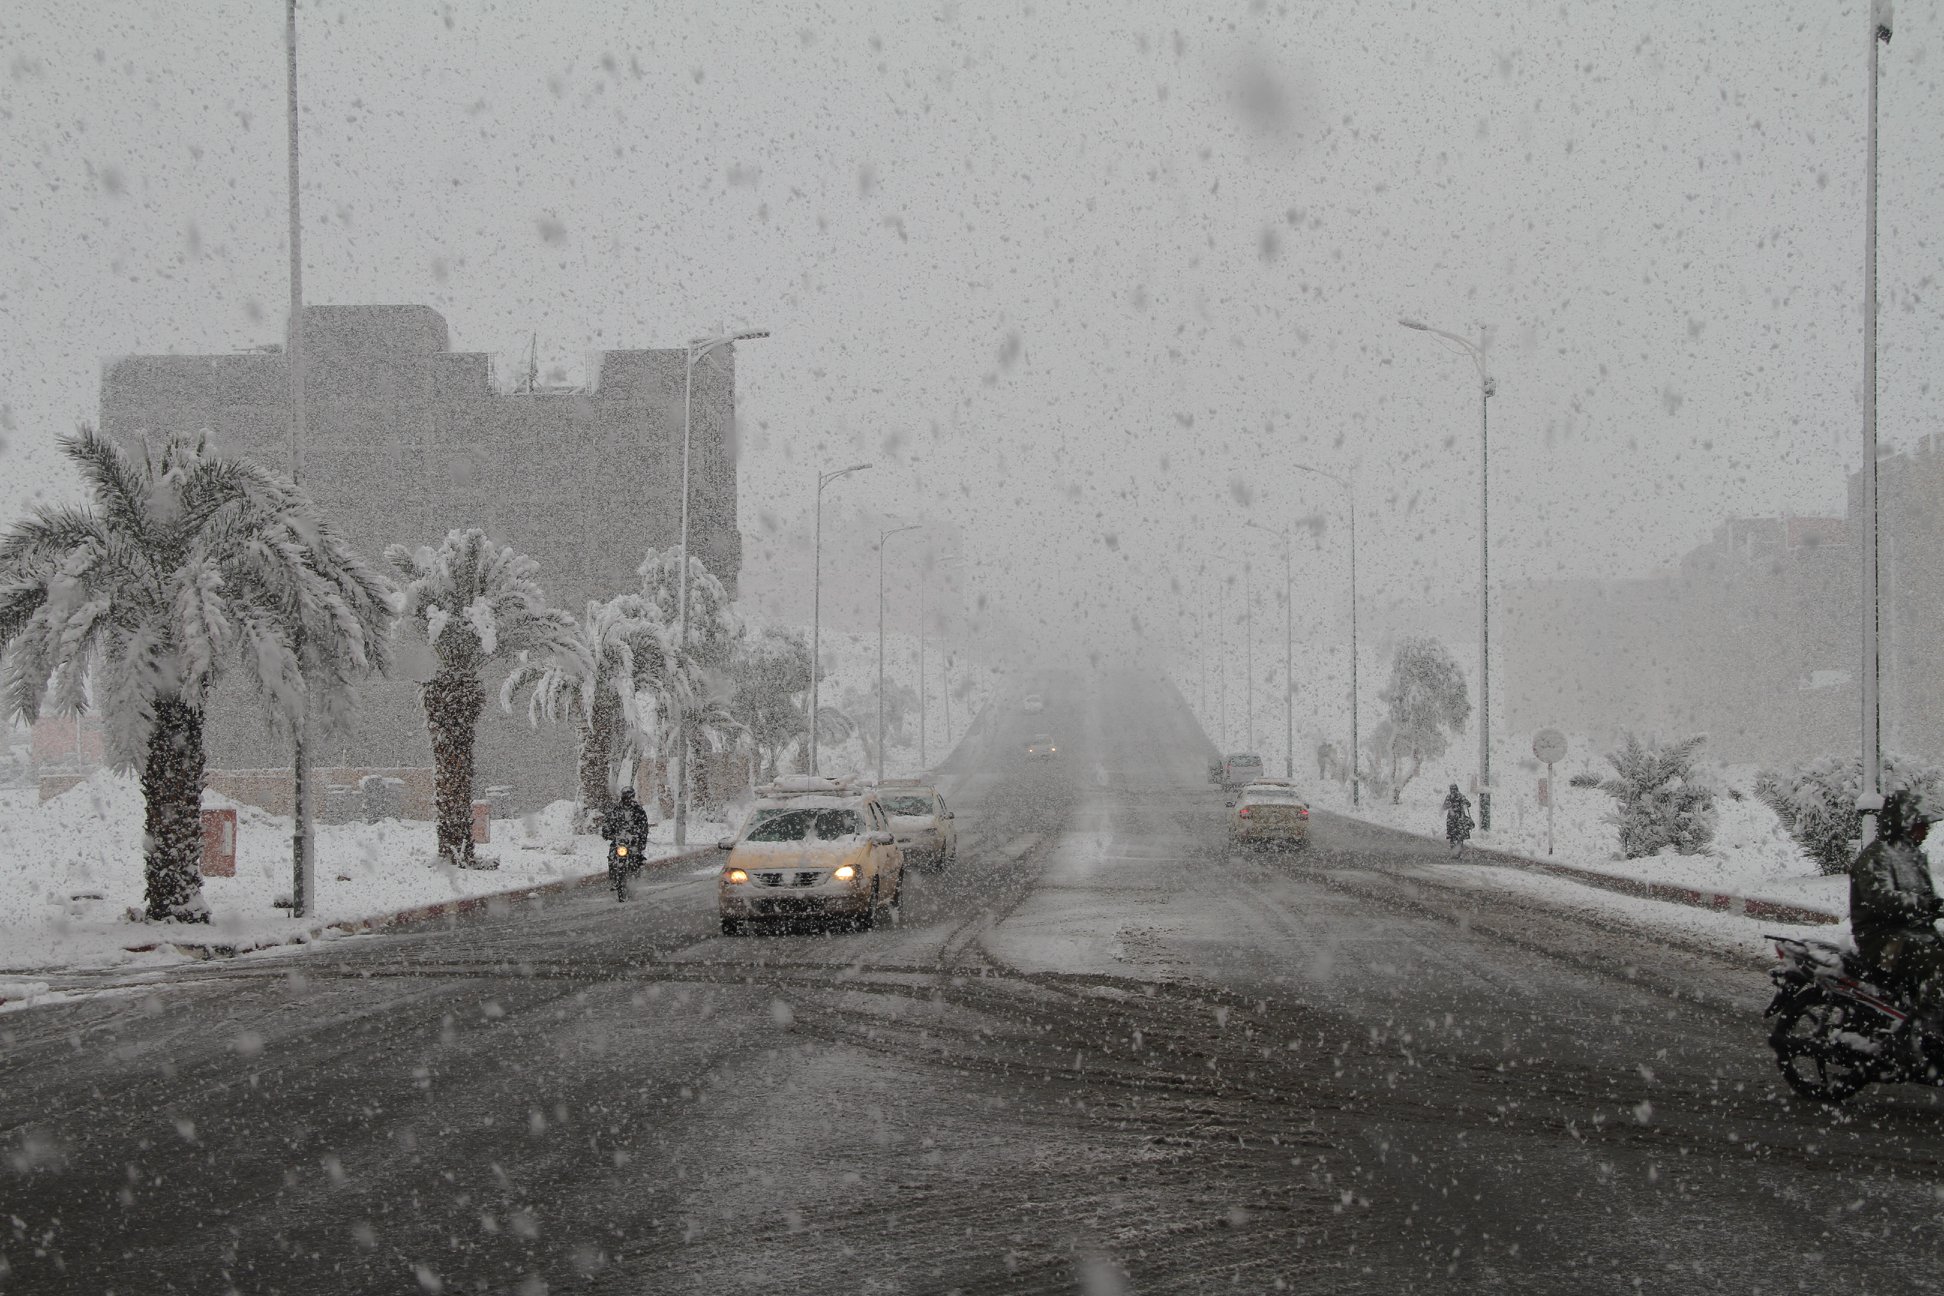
[(811, 849)]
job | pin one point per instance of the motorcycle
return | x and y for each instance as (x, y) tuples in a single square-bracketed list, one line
[(623, 862), (1840, 1026)]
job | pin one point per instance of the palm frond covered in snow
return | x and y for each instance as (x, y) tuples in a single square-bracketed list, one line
[(608, 675), (474, 600), (188, 562)]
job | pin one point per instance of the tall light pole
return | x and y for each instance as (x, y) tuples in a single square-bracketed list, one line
[(1487, 388), (1289, 649), (303, 836), (1221, 662), (924, 761), (1248, 656), (883, 535), (816, 601), (1870, 794), (1349, 485), (697, 348)]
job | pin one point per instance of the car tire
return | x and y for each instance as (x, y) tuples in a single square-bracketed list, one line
[(868, 919), (732, 927)]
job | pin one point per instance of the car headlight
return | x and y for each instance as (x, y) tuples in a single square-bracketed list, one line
[(735, 877), (844, 873)]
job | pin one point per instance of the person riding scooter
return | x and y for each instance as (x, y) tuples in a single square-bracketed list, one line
[(1894, 904), (626, 823), (1458, 820)]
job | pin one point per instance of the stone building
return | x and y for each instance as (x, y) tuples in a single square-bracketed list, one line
[(407, 439)]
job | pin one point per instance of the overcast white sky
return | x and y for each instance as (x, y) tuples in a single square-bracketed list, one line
[(1081, 277)]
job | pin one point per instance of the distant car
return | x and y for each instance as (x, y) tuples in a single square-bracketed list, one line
[(1269, 812), (923, 823), (811, 848), (1240, 769), (1032, 704), (1040, 747)]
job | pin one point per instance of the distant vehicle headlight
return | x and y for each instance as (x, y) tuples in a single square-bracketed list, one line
[(844, 873), (735, 877)]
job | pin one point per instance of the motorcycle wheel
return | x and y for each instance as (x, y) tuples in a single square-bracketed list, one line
[(1811, 1059), (619, 877)]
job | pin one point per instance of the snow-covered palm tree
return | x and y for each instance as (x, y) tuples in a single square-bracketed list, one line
[(185, 563), (713, 726), (616, 660), (477, 603)]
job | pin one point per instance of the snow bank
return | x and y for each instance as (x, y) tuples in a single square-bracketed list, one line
[(71, 872)]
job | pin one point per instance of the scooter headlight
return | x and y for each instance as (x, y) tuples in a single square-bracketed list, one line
[(621, 852)]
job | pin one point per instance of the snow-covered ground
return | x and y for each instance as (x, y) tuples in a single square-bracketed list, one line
[(71, 870), (1752, 854)]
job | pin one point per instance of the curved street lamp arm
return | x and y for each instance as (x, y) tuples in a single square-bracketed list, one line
[(1471, 348)]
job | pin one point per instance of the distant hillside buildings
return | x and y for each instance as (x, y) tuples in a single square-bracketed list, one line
[(1754, 642)]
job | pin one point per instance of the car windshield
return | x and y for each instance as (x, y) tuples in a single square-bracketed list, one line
[(908, 805), (1040, 740), (807, 825)]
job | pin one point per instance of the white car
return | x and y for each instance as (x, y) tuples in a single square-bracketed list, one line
[(1032, 704), (921, 821), (811, 849)]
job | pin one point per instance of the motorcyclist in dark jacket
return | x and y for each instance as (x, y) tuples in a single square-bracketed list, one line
[(626, 822), (1893, 904), (1458, 820)]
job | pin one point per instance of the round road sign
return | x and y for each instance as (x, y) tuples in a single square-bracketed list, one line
[(1549, 745)]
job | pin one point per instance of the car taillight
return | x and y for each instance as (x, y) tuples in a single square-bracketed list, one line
[(1302, 812), (1243, 812)]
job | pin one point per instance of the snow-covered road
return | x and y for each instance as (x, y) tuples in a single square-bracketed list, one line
[(1102, 1054)]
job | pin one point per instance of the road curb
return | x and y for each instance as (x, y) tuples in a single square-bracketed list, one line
[(415, 913), (1669, 892)]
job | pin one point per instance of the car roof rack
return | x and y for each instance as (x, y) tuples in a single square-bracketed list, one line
[(812, 785)]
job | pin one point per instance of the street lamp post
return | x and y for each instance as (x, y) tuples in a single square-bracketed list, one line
[(816, 600), (1349, 485), (1487, 388), (1248, 656), (303, 837), (883, 535), (924, 761), (1289, 649), (1870, 795), (697, 348)]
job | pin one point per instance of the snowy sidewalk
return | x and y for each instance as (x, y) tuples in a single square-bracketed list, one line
[(1753, 869), (71, 871)]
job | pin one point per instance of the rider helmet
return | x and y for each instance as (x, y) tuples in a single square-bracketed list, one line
[(627, 796)]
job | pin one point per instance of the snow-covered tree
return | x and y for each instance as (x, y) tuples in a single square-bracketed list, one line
[(1816, 802), (770, 675), (1427, 706), (184, 564), (605, 676), (476, 603), (713, 626), (1662, 799)]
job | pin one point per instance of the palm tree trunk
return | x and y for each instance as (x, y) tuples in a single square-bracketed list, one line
[(596, 753), (172, 782), (453, 700)]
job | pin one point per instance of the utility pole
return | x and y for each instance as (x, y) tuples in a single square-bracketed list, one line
[(303, 837), (882, 537), (691, 356), (1870, 795), (816, 601)]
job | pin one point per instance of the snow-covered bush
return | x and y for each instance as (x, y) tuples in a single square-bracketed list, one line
[(1816, 802), (1663, 800)]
